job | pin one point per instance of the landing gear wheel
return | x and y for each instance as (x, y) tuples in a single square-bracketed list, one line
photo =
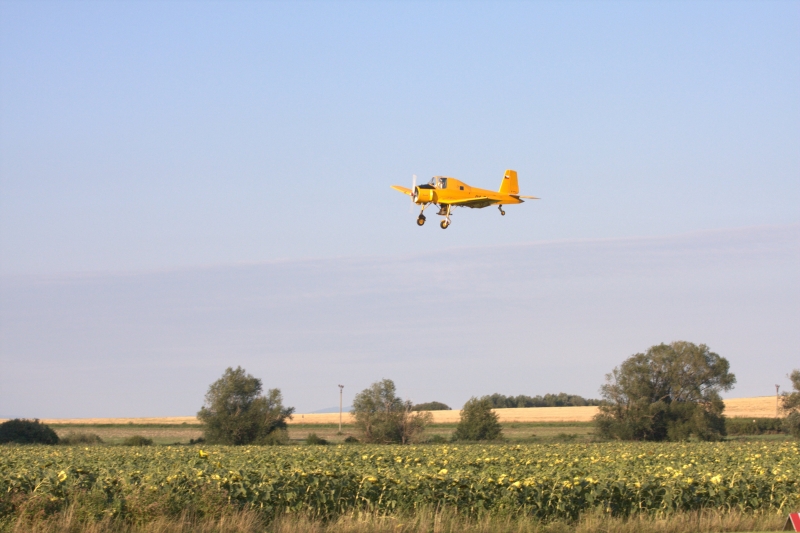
[(420, 220), (444, 224), (500, 207)]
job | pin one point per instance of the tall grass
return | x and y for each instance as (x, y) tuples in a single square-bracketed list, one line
[(424, 521)]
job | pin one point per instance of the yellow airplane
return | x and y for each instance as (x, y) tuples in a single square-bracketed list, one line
[(449, 192)]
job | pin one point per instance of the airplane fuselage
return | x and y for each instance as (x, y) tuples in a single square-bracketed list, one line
[(446, 190)]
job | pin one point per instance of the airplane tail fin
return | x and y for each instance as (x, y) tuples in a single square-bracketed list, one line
[(509, 184)]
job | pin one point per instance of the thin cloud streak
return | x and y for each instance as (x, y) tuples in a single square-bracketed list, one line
[(529, 318)]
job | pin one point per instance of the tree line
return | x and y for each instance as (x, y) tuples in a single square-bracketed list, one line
[(501, 401), (562, 399), (669, 392)]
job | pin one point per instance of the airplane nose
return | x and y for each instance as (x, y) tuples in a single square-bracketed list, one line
[(423, 196)]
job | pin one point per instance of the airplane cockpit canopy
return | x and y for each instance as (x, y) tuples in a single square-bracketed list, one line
[(439, 182)]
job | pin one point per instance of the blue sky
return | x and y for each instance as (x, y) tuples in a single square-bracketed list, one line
[(146, 138), (519, 318)]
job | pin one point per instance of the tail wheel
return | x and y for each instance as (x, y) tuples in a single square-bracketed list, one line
[(444, 224)]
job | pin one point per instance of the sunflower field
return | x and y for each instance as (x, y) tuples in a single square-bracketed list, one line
[(544, 481)]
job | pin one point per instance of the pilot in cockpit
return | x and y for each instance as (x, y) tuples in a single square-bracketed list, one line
[(438, 182)]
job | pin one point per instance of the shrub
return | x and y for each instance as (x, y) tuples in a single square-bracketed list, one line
[(315, 440), (276, 437), (23, 431), (753, 426), (566, 437), (137, 440), (351, 440), (79, 437), (436, 439), (478, 421), (235, 411), (431, 406), (198, 440)]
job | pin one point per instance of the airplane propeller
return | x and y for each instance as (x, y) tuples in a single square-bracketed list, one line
[(413, 191)]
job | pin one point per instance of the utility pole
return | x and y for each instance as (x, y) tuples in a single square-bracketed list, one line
[(341, 388), (777, 401)]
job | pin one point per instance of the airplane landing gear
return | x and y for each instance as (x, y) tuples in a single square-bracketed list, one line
[(446, 213), (420, 220), (500, 207)]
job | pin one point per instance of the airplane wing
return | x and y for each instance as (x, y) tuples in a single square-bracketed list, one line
[(402, 189), (480, 201)]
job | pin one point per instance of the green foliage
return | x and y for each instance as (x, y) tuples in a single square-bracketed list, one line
[(431, 406), (671, 392), (794, 401), (137, 440), (383, 418), (791, 406), (351, 440), (566, 437), (753, 426), (478, 421), (791, 424), (276, 437), (80, 437), (546, 482), (315, 440), (235, 411), (562, 399), (23, 431)]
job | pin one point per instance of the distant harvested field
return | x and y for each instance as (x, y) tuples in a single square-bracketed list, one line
[(523, 414), (756, 407), (165, 421)]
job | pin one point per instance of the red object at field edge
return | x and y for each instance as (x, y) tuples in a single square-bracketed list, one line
[(792, 523)]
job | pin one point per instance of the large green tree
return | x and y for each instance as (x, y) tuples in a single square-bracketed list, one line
[(791, 405), (383, 418), (478, 421), (670, 392), (235, 411)]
